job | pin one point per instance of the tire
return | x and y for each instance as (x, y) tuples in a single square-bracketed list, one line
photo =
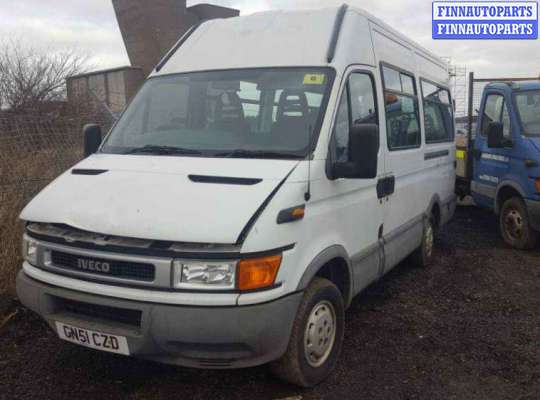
[(515, 226), (304, 366), (423, 255)]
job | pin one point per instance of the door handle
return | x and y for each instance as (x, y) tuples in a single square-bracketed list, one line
[(386, 187)]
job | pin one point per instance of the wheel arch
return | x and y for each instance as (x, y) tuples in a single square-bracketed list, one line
[(434, 209), (334, 264), (506, 190)]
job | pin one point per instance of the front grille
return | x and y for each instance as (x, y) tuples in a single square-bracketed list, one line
[(105, 313), (116, 269)]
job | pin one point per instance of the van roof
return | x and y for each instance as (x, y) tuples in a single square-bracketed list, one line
[(516, 85), (283, 38)]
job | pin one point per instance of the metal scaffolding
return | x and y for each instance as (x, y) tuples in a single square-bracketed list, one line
[(458, 85)]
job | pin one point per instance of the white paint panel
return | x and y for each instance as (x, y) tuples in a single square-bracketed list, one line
[(274, 38), (157, 203), (431, 69), (355, 45), (390, 50)]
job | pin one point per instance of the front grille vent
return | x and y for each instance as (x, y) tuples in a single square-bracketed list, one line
[(116, 269), (105, 313)]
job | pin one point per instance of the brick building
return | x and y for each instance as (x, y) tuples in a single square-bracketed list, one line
[(149, 28)]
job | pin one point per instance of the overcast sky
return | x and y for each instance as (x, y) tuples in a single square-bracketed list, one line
[(90, 26)]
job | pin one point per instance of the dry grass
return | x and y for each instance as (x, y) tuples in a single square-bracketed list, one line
[(32, 153), (32, 173), (10, 253)]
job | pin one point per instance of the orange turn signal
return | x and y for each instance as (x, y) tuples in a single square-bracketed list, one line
[(298, 212), (291, 214), (538, 186), (258, 273)]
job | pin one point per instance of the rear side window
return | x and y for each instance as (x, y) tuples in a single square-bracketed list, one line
[(401, 106), (438, 113), (496, 110)]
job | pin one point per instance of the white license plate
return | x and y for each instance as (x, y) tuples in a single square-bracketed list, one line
[(94, 340)]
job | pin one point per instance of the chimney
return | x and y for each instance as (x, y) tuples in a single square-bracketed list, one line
[(151, 27)]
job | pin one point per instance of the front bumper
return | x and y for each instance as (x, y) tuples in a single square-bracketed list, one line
[(199, 337), (533, 208)]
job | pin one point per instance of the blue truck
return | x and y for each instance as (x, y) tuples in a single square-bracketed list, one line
[(500, 165)]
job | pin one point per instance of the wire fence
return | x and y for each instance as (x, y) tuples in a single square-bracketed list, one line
[(33, 152)]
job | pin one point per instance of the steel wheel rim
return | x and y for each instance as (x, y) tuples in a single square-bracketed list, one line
[(320, 333), (513, 223), (429, 239)]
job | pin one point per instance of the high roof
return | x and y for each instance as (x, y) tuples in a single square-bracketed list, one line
[(282, 38)]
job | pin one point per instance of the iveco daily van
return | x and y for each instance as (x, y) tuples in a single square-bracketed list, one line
[(270, 169)]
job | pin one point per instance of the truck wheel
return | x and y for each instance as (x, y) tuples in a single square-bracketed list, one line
[(423, 256), (316, 337), (515, 226)]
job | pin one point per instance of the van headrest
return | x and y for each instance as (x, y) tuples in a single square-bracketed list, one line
[(292, 104), (229, 107)]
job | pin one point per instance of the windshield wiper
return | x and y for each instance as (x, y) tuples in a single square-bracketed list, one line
[(163, 150), (258, 154)]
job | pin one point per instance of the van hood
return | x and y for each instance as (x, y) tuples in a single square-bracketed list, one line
[(174, 199)]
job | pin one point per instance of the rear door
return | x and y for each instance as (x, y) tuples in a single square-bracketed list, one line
[(492, 164)]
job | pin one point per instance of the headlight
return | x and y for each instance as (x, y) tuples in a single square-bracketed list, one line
[(246, 275), (204, 275), (30, 250)]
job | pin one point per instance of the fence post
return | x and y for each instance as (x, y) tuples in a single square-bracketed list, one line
[(470, 111)]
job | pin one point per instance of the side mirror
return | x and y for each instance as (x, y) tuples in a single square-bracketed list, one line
[(363, 153), (495, 135), (92, 139)]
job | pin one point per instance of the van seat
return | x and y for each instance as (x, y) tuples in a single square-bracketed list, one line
[(292, 119)]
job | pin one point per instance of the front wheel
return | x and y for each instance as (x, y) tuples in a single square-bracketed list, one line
[(316, 337), (515, 225)]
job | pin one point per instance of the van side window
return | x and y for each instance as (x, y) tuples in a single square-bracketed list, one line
[(438, 113), (496, 111), (402, 115), (357, 106)]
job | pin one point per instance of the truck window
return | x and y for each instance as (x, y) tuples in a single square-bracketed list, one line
[(438, 113), (402, 115), (357, 106), (496, 110), (528, 104)]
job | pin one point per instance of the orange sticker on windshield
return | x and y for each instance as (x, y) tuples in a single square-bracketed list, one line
[(313, 79)]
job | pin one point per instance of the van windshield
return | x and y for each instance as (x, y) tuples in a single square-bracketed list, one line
[(250, 113), (528, 104)]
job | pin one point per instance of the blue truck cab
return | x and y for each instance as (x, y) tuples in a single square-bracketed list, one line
[(506, 160)]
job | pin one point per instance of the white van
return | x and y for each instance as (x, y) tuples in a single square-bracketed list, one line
[(271, 168)]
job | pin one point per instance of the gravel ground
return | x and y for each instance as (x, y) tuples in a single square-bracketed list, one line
[(468, 328)]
